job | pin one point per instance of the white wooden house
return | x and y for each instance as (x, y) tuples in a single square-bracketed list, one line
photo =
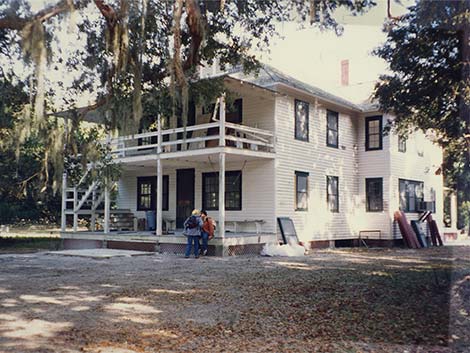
[(283, 149)]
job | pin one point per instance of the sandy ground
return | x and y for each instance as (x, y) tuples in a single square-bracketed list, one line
[(330, 301)]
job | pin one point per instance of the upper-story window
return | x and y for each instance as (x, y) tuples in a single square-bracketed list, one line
[(332, 193), (374, 195), (301, 120), (401, 144), (411, 195), (301, 191), (331, 128), (373, 133)]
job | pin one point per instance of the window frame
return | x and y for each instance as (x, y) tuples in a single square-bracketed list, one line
[(153, 192), (368, 120), (299, 174), (368, 203), (332, 113), (336, 208), (402, 144), (228, 174), (417, 200), (296, 132)]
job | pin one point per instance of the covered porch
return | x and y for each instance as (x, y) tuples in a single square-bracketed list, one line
[(233, 179)]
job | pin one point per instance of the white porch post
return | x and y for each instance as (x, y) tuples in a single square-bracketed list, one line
[(222, 169), (453, 210), (107, 196), (222, 194), (63, 220), (222, 121), (159, 215), (75, 212), (107, 206)]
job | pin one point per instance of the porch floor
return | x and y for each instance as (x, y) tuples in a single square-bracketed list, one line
[(231, 238)]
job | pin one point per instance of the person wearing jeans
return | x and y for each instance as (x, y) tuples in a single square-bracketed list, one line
[(207, 231), (192, 230)]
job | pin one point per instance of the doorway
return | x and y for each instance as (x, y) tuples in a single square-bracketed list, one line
[(184, 195)]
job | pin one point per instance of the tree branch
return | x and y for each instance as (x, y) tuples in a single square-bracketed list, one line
[(108, 13), (389, 12), (18, 23), (196, 30)]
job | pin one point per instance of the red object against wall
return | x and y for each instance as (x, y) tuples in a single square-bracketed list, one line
[(406, 231)]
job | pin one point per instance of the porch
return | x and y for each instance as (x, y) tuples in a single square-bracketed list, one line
[(230, 245), (163, 171)]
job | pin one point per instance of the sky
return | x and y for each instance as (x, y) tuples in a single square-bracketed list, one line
[(314, 57)]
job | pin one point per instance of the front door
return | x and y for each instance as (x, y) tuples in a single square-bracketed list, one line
[(184, 195)]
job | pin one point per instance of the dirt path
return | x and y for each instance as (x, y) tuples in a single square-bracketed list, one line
[(330, 301)]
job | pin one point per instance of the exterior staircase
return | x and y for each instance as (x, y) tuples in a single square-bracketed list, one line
[(87, 200)]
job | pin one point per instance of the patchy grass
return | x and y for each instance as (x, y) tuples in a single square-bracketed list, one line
[(331, 301), (22, 244)]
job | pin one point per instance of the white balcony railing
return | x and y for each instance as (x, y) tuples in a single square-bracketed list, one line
[(197, 137)]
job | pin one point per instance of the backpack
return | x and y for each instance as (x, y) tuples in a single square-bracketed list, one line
[(214, 224), (192, 222)]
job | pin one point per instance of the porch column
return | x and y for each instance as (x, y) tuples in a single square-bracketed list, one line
[(75, 214), (107, 206), (221, 224), (63, 219), (159, 215), (222, 121), (107, 196), (453, 210)]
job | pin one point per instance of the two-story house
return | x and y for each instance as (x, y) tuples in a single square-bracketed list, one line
[(282, 149)]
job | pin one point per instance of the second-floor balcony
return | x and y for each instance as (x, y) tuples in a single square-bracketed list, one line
[(195, 139)]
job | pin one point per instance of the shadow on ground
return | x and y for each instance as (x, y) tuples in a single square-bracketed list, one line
[(330, 301)]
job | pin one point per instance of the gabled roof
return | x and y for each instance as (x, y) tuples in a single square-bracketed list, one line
[(269, 77)]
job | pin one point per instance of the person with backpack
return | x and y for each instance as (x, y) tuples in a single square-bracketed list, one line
[(207, 231), (192, 230)]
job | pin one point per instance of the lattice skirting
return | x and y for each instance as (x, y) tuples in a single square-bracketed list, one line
[(230, 250)]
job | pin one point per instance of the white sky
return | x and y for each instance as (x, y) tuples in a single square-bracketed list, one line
[(314, 57)]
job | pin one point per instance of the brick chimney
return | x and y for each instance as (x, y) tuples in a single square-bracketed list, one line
[(345, 72)]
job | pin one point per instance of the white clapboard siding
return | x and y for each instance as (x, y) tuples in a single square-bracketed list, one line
[(319, 161), (413, 166), (374, 164), (257, 191)]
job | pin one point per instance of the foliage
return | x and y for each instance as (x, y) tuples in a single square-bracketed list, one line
[(136, 59), (429, 87), (94, 158)]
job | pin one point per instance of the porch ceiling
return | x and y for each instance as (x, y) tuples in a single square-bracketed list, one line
[(210, 156)]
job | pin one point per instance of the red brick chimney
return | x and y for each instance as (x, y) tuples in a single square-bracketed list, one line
[(345, 72)]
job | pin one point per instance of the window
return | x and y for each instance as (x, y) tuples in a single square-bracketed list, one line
[(411, 195), (331, 129), (432, 203), (145, 188), (332, 193), (147, 192), (301, 191), (373, 133), (301, 120), (233, 191), (374, 195), (401, 144)]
